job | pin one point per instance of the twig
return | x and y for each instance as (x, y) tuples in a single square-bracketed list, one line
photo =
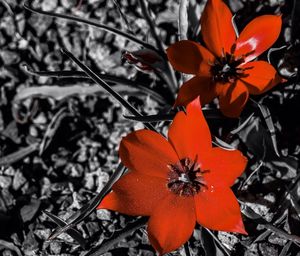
[(18, 155), (172, 81), (251, 174), (7, 6), (187, 249), (71, 232), (106, 77), (118, 236), (225, 251), (87, 209), (282, 233), (103, 84), (123, 16), (150, 22)]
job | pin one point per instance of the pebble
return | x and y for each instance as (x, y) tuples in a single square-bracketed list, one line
[(5, 181), (18, 180)]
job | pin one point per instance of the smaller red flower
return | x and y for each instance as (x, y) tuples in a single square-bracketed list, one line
[(178, 182), (145, 60), (223, 69)]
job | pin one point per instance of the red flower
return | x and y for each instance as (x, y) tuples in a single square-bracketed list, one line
[(145, 60), (178, 181), (224, 69)]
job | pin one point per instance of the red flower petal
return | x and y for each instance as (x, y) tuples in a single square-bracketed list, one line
[(198, 85), (216, 26), (189, 133), (261, 77), (135, 194), (218, 209), (189, 57), (224, 166), (147, 152), (172, 223), (233, 98), (259, 35)]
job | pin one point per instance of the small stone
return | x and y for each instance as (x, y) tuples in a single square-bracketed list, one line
[(33, 131), (102, 180), (9, 171), (92, 227), (7, 253), (68, 3), (7, 197), (42, 234), (275, 239), (228, 239), (40, 119), (49, 6), (18, 180), (9, 57), (266, 249), (5, 181), (55, 247), (28, 211), (103, 214), (89, 181), (30, 246)]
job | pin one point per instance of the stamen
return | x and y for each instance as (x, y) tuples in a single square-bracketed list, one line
[(186, 178), (226, 68)]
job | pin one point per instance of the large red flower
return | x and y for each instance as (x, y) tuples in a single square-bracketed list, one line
[(178, 181), (223, 69)]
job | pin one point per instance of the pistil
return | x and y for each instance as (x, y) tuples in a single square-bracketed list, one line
[(186, 178)]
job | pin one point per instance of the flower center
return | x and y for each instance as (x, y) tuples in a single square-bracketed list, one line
[(226, 68), (185, 178)]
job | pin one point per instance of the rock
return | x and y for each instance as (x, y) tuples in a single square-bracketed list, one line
[(92, 227), (9, 171), (28, 211), (9, 57), (7, 198), (49, 6), (5, 181), (229, 240), (43, 234), (55, 247), (18, 180), (30, 245)]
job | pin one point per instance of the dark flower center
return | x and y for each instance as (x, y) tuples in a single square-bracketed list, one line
[(226, 68), (185, 178)]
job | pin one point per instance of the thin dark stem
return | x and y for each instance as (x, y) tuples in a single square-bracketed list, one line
[(221, 246), (123, 16), (92, 23), (106, 77), (150, 22), (172, 79), (187, 249), (117, 237), (293, 20), (87, 209), (104, 85)]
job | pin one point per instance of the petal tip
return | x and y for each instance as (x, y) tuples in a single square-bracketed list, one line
[(240, 228)]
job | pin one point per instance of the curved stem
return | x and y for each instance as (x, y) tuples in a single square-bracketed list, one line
[(171, 80), (103, 84), (92, 23), (106, 77)]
